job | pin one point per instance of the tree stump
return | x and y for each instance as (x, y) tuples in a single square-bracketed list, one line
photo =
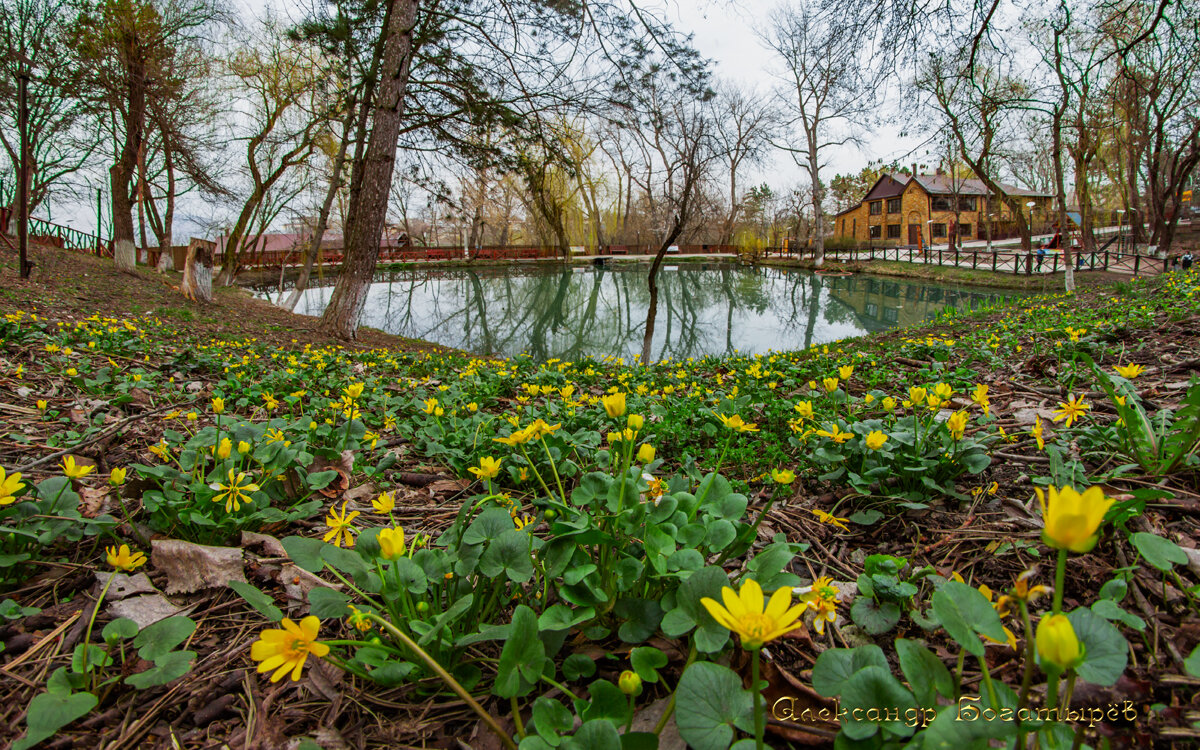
[(198, 272), (166, 260), (125, 256)]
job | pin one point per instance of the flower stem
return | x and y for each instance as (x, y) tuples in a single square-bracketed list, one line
[(87, 636), (759, 716), (1059, 577), (447, 678)]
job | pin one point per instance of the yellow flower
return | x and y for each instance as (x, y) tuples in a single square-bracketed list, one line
[(889, 403), (1057, 645), (822, 597), (830, 519), (830, 384), (275, 435), (161, 449), (385, 503), (835, 434), (472, 407), (804, 409), (745, 615), (116, 477), (235, 493), (225, 448), (354, 390), (869, 398), (391, 543), (957, 424), (1129, 372), (785, 476), (243, 447), (875, 440), (645, 453), (1073, 409), (1071, 519), (10, 485), (359, 620), (122, 559), (431, 405), (614, 404), (980, 396), (76, 471), (635, 421), (523, 521), (340, 529), (42, 405), (1037, 432), (736, 424), (943, 391), (540, 428), (270, 401), (218, 405), (916, 395), (286, 650), (845, 371), (488, 468)]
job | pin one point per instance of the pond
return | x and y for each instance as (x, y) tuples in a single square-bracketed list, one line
[(710, 308)]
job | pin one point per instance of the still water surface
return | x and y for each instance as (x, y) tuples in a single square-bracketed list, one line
[(704, 309)]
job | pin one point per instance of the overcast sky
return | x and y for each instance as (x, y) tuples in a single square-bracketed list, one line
[(724, 32)]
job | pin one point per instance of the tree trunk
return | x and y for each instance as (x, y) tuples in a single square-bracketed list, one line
[(335, 181), (197, 272), (368, 212), (818, 198), (652, 282), (122, 173)]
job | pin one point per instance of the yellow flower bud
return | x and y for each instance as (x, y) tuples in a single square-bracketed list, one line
[(645, 453), (630, 683), (243, 447), (225, 448), (1057, 645), (636, 421), (117, 477), (391, 543)]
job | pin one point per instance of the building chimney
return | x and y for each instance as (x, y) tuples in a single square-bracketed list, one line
[(914, 167)]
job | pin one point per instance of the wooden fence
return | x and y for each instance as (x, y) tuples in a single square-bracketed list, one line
[(1107, 257)]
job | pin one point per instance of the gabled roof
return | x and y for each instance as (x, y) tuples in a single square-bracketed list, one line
[(941, 184), (887, 186)]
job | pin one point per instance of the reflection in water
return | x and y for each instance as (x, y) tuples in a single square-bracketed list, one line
[(705, 309)]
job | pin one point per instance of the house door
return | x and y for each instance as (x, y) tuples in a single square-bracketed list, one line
[(913, 231)]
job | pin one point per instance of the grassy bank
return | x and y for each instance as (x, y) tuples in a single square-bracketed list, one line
[(513, 531)]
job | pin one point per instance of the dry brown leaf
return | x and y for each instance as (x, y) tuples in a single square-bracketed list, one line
[(449, 485), (267, 543), (144, 610), (93, 501), (361, 492), (124, 585), (190, 567)]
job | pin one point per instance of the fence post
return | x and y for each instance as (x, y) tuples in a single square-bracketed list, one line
[(1054, 267), (1137, 263), (1106, 260), (993, 260)]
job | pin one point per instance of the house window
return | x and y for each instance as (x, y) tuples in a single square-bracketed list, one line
[(893, 205), (893, 231), (876, 208), (939, 230), (964, 231), (993, 205), (872, 310), (942, 203), (876, 232), (891, 314), (966, 203)]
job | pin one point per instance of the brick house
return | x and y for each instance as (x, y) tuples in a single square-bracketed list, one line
[(902, 209)]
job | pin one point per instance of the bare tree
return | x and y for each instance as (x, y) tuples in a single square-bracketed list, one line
[(742, 131), (281, 82), (822, 89), (34, 40), (127, 47)]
